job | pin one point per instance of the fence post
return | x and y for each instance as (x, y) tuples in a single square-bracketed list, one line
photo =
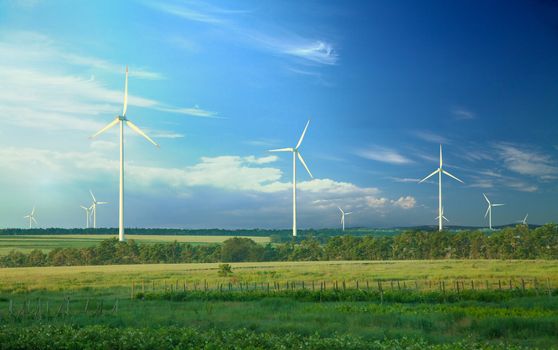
[(523, 285), (548, 287), (510, 284), (132, 295), (499, 285)]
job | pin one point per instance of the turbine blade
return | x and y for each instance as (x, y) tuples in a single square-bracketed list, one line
[(487, 210), (433, 173), (450, 175), (139, 131), (281, 150), (102, 202), (302, 136), (125, 94), (443, 217), (92, 196), (485, 197), (35, 221), (497, 205), (441, 161), (349, 213), (108, 126), (341, 210), (33, 211), (84, 208), (304, 163), (26, 217)]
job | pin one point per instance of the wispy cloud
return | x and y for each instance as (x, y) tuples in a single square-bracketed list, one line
[(404, 179), (195, 111), (527, 161), (462, 114), (36, 94), (275, 40), (25, 49), (430, 136), (382, 154)]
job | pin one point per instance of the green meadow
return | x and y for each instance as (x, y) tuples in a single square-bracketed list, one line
[(46, 243), (56, 305)]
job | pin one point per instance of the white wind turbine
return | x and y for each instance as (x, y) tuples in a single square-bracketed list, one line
[(94, 208), (343, 217), (296, 154), (489, 211), (87, 214), (439, 171), (443, 217), (31, 218), (524, 221), (122, 119)]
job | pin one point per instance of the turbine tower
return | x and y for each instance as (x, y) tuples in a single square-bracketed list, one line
[(489, 211), (296, 154), (94, 208), (343, 217), (122, 119), (87, 214), (440, 171), (31, 218)]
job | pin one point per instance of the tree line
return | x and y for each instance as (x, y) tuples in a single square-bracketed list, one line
[(518, 242)]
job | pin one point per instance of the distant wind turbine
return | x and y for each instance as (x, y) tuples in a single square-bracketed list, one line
[(524, 221), (122, 119), (439, 171), (94, 208), (443, 217), (31, 218), (296, 154), (343, 217), (87, 214), (489, 211)]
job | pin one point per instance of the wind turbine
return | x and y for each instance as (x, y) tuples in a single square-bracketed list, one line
[(94, 208), (122, 119), (440, 171), (524, 221), (443, 217), (343, 217), (489, 211), (296, 154), (87, 214), (31, 217)]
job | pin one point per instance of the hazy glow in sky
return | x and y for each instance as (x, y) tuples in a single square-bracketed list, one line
[(217, 84)]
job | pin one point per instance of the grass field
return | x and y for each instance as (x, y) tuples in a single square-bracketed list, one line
[(521, 320), (48, 242)]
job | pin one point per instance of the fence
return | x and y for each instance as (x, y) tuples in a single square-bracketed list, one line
[(540, 287)]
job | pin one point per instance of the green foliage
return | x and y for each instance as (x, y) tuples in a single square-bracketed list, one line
[(105, 337), (241, 249), (510, 243)]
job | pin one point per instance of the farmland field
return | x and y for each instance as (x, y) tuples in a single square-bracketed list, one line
[(72, 302), (26, 243)]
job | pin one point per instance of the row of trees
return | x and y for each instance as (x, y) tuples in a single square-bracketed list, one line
[(511, 243)]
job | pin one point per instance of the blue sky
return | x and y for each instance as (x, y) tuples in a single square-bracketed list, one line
[(218, 83)]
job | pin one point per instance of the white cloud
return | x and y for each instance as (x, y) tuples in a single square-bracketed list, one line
[(248, 175), (382, 154), (407, 202), (526, 161)]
